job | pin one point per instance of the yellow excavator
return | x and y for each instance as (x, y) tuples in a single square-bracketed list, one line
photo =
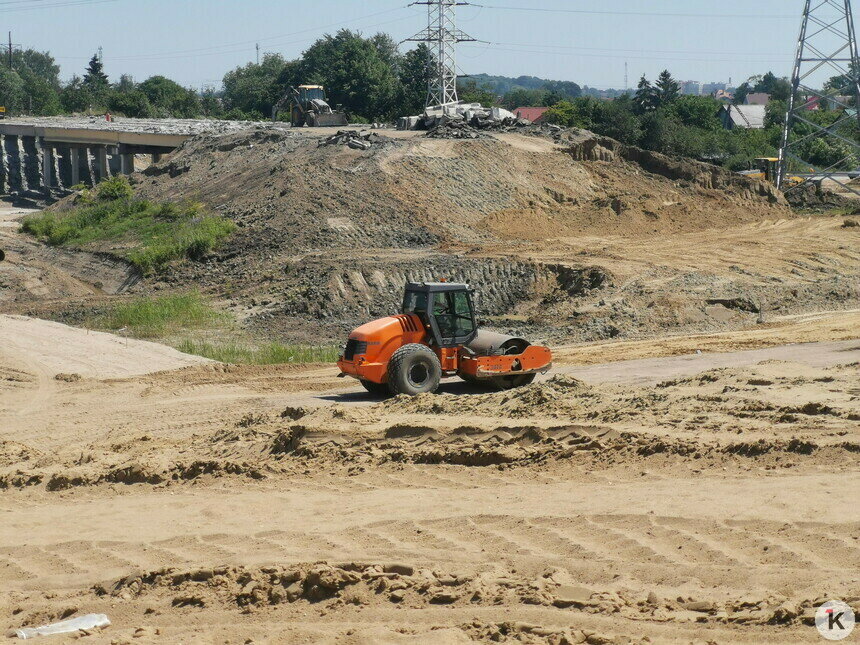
[(308, 106), (766, 169)]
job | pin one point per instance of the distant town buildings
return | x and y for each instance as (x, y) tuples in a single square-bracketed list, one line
[(720, 91), (710, 89), (693, 88)]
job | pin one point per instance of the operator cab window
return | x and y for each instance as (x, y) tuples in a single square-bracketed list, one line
[(453, 314), (415, 302)]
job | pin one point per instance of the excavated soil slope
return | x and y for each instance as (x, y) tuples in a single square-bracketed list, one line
[(300, 196), (329, 234)]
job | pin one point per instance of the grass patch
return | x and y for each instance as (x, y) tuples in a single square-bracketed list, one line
[(260, 354), (147, 234), (157, 317), (174, 319)]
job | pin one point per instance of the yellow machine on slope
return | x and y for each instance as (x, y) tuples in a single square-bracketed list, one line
[(766, 169), (308, 106)]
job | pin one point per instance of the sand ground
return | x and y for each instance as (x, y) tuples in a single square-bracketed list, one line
[(675, 496)]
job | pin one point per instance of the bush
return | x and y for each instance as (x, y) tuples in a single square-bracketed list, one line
[(133, 104), (147, 234), (114, 188)]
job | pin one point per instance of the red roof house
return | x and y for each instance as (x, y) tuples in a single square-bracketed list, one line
[(533, 114)]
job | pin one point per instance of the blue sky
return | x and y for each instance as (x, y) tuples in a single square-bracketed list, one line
[(196, 41)]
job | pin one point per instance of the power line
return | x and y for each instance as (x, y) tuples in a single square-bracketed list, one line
[(52, 5), (653, 14), (649, 51), (236, 47), (627, 57), (227, 48)]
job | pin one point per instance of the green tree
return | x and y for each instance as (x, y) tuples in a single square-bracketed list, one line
[(355, 71), (388, 51), (133, 104), (76, 96), (697, 111), (12, 91), (667, 88), (617, 119), (646, 98), (256, 88), (415, 75), (210, 104), (562, 113), (657, 131), (778, 88), (469, 92), (41, 64), (774, 114), (94, 77), (41, 97), (522, 97), (169, 98), (126, 84)]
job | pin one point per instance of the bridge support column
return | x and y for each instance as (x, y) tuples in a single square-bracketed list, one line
[(114, 161), (64, 167), (156, 157), (127, 163), (102, 168), (12, 156), (75, 162), (31, 163), (90, 171), (4, 167), (47, 167)]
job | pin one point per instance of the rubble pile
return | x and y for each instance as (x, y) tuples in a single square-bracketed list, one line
[(358, 140), (454, 130), (473, 115)]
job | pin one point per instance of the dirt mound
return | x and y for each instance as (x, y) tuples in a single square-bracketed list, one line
[(410, 586), (330, 233), (409, 192)]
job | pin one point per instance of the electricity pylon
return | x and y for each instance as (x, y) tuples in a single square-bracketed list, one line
[(827, 40), (441, 37)]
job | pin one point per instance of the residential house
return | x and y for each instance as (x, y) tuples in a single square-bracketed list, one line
[(723, 95), (533, 114), (757, 98), (742, 116)]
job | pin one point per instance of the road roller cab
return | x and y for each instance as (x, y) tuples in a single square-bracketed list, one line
[(436, 335)]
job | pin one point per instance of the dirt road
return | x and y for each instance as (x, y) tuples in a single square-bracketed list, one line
[(219, 503)]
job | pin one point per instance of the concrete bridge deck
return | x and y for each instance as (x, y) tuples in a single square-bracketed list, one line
[(44, 155)]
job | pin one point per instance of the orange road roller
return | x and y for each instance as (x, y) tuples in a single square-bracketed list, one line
[(436, 336)]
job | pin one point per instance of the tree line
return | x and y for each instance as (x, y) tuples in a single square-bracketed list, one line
[(371, 80), (368, 76), (658, 117)]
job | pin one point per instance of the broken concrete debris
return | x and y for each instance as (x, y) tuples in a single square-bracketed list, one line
[(454, 130), (358, 140), (473, 115)]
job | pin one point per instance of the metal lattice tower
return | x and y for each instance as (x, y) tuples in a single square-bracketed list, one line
[(441, 37), (827, 41)]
